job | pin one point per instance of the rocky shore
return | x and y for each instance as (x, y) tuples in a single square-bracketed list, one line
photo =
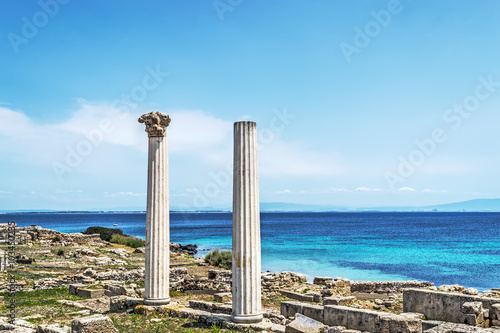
[(73, 282)]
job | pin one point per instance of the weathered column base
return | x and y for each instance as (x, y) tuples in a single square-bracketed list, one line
[(156, 301), (247, 319)]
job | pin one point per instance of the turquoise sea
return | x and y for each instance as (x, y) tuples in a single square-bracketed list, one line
[(444, 248)]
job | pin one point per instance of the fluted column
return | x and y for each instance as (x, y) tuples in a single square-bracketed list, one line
[(157, 216), (246, 226)]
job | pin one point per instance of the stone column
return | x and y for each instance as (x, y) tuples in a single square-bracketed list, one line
[(157, 217), (246, 226)]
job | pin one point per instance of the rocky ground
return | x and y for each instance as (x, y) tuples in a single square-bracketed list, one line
[(74, 276)]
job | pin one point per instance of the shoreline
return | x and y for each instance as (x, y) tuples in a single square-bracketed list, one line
[(83, 274), (199, 254)]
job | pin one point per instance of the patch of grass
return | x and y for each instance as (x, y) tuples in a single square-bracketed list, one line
[(215, 329), (175, 293), (42, 297), (139, 323), (127, 240), (27, 275), (274, 299), (219, 258), (139, 284), (305, 290)]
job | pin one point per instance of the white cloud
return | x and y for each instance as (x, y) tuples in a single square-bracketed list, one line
[(191, 132), (331, 189), (284, 191), (132, 194), (406, 189), (435, 191), (366, 189)]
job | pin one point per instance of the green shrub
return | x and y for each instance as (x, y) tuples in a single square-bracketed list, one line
[(60, 252), (104, 233), (219, 258), (127, 240), (56, 239)]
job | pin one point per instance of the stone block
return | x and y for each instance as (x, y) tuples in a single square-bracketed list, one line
[(338, 300), (222, 308), (90, 293), (127, 291), (335, 315), (313, 311), (383, 287), (304, 324), (335, 329), (113, 288), (109, 293), (400, 324), (471, 291), (469, 319), (316, 297), (495, 311), (122, 303), (428, 324), (73, 288), (413, 315), (363, 320), (472, 308), (289, 308), (457, 328), (443, 306), (93, 324), (322, 280), (54, 328), (371, 321), (200, 305), (339, 286), (223, 297), (297, 296)]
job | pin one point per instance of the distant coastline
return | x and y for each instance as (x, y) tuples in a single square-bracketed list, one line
[(475, 205)]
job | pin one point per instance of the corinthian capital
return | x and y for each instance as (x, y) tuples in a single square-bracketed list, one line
[(156, 123)]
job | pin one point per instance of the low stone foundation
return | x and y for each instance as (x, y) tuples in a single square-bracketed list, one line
[(352, 318), (384, 287), (450, 307)]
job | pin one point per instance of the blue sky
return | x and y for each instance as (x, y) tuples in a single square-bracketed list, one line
[(358, 103)]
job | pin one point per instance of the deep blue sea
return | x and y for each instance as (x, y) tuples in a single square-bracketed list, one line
[(444, 248)]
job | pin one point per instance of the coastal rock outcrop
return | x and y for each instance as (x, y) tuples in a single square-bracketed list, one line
[(186, 249), (49, 237)]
